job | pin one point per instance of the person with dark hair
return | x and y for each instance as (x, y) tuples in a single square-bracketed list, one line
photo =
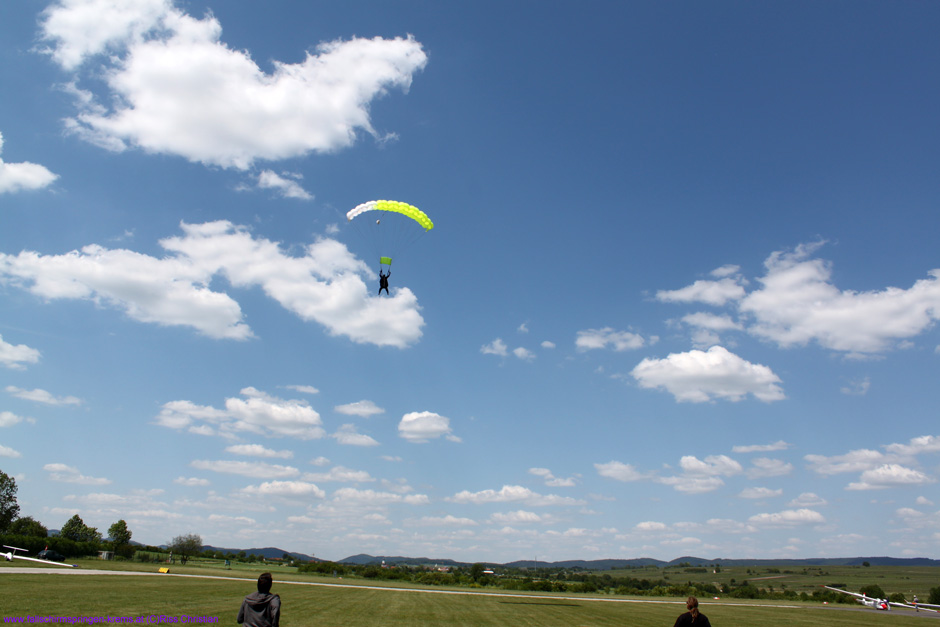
[(693, 616), (261, 608)]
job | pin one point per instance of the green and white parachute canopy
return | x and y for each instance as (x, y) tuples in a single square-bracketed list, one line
[(395, 228), (394, 206)]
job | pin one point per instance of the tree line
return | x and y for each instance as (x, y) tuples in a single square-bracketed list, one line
[(75, 538)]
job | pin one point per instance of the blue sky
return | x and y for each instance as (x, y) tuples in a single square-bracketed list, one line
[(680, 298)]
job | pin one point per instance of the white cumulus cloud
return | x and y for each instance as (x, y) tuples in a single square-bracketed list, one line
[(15, 356), (42, 396), (324, 285), (171, 83), (69, 474), (858, 460), (15, 177), (590, 339), (363, 409), (798, 304), (551, 480), (916, 446), (779, 445), (287, 185), (192, 482), (705, 291), (496, 347), (256, 450), (423, 426), (348, 435), (8, 419), (256, 412), (759, 493), (285, 488), (788, 518), (713, 465), (247, 469), (699, 376), (889, 476), (340, 474), (768, 467), (519, 516), (512, 494), (619, 471), (807, 499), (6, 451)]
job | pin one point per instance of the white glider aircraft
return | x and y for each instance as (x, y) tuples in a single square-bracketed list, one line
[(882, 604), (11, 555)]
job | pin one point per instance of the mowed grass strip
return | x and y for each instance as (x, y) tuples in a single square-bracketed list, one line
[(908, 580), (176, 597)]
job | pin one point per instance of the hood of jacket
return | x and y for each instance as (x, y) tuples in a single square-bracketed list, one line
[(259, 600)]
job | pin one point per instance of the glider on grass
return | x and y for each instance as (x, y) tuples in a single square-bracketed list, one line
[(389, 227), (11, 555), (882, 604)]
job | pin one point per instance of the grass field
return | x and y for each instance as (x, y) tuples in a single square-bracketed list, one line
[(354, 605), (906, 580)]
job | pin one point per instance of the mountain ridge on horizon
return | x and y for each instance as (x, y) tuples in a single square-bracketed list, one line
[(364, 559), (614, 563)]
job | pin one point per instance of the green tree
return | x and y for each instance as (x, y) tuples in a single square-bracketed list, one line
[(187, 544), (75, 529), (873, 590), (120, 535), (934, 597), (8, 506), (28, 526)]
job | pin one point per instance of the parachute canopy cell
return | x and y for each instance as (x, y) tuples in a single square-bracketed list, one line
[(397, 207)]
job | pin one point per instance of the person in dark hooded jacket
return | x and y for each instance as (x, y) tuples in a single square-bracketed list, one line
[(261, 608)]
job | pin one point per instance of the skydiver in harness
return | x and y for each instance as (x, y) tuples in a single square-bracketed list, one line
[(383, 281)]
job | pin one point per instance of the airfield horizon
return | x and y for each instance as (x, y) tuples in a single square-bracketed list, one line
[(209, 591)]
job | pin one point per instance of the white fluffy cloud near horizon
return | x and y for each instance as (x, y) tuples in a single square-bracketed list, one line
[(325, 285), (171, 81), (879, 470)]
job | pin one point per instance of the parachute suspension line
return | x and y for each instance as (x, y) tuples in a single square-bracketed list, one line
[(389, 227), (370, 235)]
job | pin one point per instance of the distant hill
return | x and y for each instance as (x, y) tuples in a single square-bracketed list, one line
[(606, 564), (365, 560), (614, 564), (267, 553), (832, 561)]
